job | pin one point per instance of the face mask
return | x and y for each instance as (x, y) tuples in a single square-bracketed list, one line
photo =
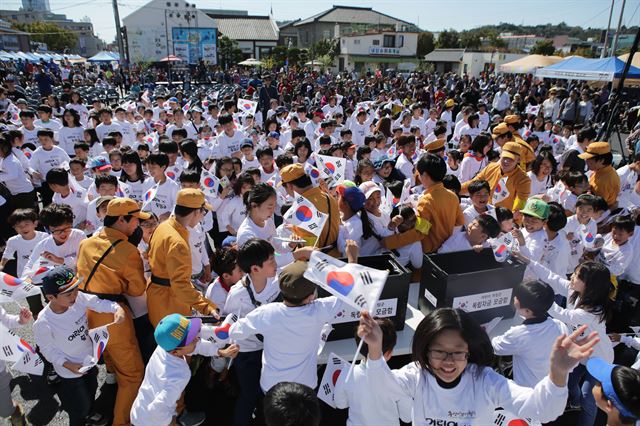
[(136, 237)]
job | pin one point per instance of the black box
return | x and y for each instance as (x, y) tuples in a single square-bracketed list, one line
[(393, 300), (474, 282)]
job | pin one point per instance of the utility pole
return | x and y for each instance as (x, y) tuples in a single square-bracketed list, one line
[(116, 16), (603, 54), (615, 39)]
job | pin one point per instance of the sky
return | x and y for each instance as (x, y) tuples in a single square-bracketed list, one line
[(431, 15)]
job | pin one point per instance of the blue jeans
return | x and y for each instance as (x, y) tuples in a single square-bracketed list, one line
[(248, 366), (77, 396), (582, 395)]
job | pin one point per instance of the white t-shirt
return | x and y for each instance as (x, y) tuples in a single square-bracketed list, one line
[(14, 176), (30, 136), (367, 407), (103, 130), (231, 212), (199, 258), (575, 317), (217, 293), (248, 229), (470, 167), (291, 338), (456, 242), (53, 124), (633, 274), (239, 303), (471, 213), (68, 137), (628, 197), (165, 198), (556, 253), (539, 187), (350, 229), (65, 337), (472, 401), (225, 145), (578, 244), (530, 345), (20, 249), (68, 251), (165, 379), (616, 258), (76, 200), (44, 160)]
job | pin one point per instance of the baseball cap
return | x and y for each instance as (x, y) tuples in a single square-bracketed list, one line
[(121, 206), (319, 114), (173, 99), (449, 103), (99, 162), (537, 208), (293, 285), (274, 135), (353, 196), (499, 130), (595, 148), (368, 188), (175, 330), (192, 198), (602, 372), (59, 280), (246, 142), (103, 199), (22, 101), (292, 172), (10, 78), (526, 150)]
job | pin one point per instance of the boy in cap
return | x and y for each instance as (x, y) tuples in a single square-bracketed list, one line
[(604, 182), (168, 373), (62, 335), (291, 328)]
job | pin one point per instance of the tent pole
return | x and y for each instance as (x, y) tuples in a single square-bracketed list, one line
[(614, 103), (603, 54)]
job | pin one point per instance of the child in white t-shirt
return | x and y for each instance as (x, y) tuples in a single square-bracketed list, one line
[(479, 192), (472, 236), (617, 253), (162, 196), (530, 343), (24, 222), (66, 193), (556, 249), (366, 407), (167, 373), (62, 335), (581, 231)]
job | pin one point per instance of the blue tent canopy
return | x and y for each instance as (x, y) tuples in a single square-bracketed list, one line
[(104, 56), (576, 68)]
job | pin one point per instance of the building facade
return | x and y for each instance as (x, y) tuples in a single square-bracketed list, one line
[(88, 44), (256, 35), (378, 50), (464, 62), (179, 29), (13, 40)]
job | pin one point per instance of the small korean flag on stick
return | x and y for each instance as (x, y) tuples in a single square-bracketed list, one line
[(210, 183), (16, 288), (30, 363), (219, 334), (149, 196), (304, 214), (335, 367), (99, 338), (502, 246), (333, 167), (246, 107)]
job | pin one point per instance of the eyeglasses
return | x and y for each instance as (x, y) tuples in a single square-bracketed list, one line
[(60, 231), (443, 355)]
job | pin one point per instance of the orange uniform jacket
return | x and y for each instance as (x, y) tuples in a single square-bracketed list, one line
[(170, 258), (606, 183), (441, 208), (518, 184)]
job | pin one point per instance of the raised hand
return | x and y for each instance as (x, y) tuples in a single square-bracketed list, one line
[(568, 351)]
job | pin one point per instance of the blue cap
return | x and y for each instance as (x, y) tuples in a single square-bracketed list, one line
[(60, 279), (602, 371), (175, 330), (99, 161), (229, 241), (173, 100), (246, 142), (353, 196), (274, 135)]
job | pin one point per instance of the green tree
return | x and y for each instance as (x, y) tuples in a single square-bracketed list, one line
[(426, 44), (448, 39), (470, 40), (544, 47), (495, 40), (585, 52), (228, 52), (325, 47), (55, 37)]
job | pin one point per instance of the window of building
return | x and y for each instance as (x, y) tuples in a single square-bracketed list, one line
[(376, 42), (400, 41), (389, 41), (356, 41), (326, 34), (306, 36)]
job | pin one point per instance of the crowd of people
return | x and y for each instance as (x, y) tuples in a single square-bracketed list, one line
[(156, 212)]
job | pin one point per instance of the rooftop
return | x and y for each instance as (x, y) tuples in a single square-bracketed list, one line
[(353, 15), (247, 27)]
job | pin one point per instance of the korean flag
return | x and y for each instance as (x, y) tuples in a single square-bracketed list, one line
[(304, 214)]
